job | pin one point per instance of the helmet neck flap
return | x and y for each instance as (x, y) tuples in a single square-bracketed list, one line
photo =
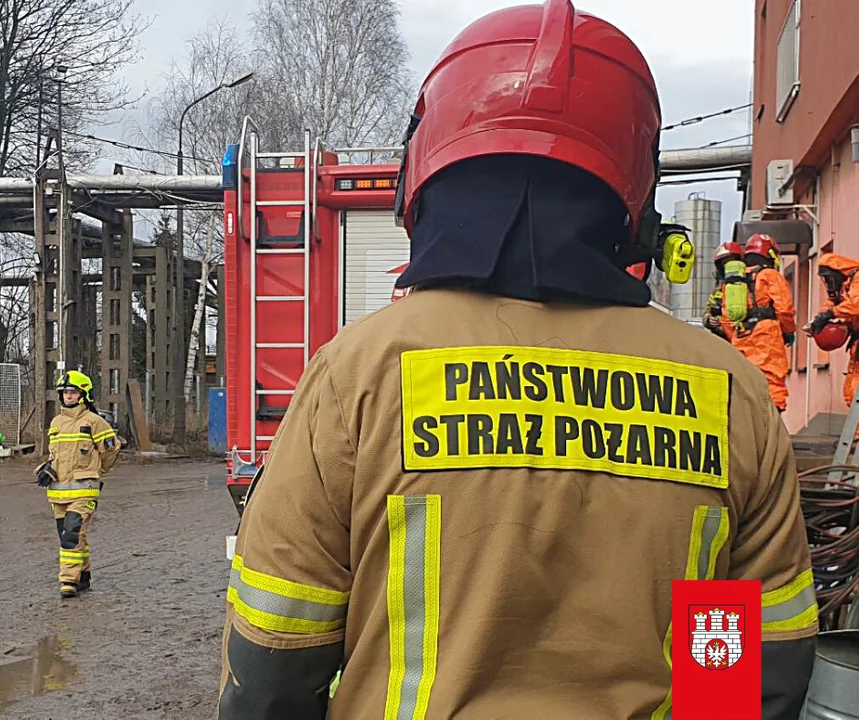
[(525, 227)]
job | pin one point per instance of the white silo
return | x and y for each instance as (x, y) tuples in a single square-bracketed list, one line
[(704, 219)]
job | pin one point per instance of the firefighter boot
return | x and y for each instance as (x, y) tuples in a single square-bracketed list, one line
[(84, 582), (68, 590)]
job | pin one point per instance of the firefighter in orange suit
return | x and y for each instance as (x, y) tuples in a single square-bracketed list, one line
[(83, 447), (447, 509), (770, 325), (838, 274), (714, 319)]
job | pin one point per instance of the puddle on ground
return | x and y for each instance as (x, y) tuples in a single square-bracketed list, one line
[(27, 672), (216, 481)]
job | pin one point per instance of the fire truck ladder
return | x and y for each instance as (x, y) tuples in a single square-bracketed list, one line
[(250, 144)]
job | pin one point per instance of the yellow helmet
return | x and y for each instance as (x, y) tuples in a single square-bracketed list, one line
[(75, 380)]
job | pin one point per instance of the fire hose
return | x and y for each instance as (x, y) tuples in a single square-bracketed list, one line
[(830, 510)]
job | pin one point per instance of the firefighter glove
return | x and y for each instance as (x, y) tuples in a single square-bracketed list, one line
[(820, 321), (45, 475), (712, 322)]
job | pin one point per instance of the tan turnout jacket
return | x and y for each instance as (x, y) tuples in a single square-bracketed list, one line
[(488, 500), (83, 446)]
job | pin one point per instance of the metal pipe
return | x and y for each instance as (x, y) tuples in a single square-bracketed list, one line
[(145, 182), (699, 159), (691, 161)]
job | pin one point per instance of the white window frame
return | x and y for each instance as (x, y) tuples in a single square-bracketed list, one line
[(787, 77)]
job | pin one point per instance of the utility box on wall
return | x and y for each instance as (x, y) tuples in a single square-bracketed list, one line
[(218, 420)]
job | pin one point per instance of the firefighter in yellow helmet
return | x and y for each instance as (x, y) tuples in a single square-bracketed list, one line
[(481, 494), (83, 447)]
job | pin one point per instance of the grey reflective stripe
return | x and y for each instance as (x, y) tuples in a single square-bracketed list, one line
[(269, 602), (76, 485), (415, 606), (789, 609), (708, 533)]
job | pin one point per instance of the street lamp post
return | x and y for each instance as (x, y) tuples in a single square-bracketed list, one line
[(62, 289), (178, 305)]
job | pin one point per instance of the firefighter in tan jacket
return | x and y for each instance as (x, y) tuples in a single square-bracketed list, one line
[(83, 447), (480, 496)]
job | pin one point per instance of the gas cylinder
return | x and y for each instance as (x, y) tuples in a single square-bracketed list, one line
[(833, 693)]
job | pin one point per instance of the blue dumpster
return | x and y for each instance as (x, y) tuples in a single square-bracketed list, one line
[(218, 420)]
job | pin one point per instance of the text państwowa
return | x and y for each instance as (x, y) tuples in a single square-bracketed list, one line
[(564, 409)]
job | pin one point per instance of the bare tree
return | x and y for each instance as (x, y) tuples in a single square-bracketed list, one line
[(199, 310), (337, 66), (48, 47), (340, 65), (214, 56), (91, 39)]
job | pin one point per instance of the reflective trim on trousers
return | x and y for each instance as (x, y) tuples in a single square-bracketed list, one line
[(74, 557)]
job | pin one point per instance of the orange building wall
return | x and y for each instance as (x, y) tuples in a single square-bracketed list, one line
[(815, 133)]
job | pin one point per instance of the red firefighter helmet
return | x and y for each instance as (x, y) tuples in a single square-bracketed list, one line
[(728, 251), (539, 80), (761, 244), (832, 336)]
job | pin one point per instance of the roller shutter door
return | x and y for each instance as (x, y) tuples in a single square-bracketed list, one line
[(375, 251)]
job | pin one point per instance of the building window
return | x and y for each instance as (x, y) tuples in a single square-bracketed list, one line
[(787, 63)]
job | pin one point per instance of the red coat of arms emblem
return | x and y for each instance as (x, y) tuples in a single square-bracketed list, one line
[(716, 635)]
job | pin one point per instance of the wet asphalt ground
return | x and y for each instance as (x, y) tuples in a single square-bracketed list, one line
[(144, 642)]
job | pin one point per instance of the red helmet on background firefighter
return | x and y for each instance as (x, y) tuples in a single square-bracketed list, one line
[(837, 324), (713, 318), (724, 253), (527, 188), (762, 249)]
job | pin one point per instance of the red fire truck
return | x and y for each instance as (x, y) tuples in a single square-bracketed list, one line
[(310, 244), (305, 253)]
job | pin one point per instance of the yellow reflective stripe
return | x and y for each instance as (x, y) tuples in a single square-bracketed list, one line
[(74, 557), (432, 583), (396, 602), (663, 712), (69, 437), (279, 605), (53, 430), (104, 435), (792, 607), (414, 529), (75, 553), (287, 588), (710, 530), (92, 492)]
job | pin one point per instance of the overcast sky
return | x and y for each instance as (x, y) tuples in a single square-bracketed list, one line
[(700, 54)]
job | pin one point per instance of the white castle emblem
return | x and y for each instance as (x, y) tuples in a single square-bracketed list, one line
[(713, 647)]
